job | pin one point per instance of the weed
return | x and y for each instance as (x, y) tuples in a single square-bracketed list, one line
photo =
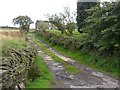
[(45, 78)]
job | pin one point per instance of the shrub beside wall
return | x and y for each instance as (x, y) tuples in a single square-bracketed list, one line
[(70, 43)]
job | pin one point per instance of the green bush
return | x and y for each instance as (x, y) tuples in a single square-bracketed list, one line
[(102, 28), (34, 72), (70, 45)]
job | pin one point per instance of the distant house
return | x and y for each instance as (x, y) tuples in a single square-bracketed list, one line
[(44, 24)]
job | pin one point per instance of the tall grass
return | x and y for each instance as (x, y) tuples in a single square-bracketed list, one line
[(10, 39)]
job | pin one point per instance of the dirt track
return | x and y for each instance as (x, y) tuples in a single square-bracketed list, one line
[(87, 78)]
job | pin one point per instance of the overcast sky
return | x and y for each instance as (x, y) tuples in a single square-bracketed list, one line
[(35, 9)]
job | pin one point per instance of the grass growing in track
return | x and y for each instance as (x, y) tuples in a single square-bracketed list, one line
[(71, 69), (85, 59), (46, 78), (68, 68)]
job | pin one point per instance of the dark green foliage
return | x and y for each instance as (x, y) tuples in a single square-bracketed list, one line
[(71, 27), (82, 13), (103, 28)]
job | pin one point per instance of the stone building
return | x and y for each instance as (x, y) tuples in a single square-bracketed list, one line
[(44, 24)]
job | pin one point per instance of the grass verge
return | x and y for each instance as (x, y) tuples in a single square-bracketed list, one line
[(46, 78)]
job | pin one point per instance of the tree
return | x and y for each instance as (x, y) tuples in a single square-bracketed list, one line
[(57, 20), (70, 27), (103, 27), (69, 19), (24, 23), (82, 13), (63, 21)]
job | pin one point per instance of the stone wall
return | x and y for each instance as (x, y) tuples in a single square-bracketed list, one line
[(15, 66)]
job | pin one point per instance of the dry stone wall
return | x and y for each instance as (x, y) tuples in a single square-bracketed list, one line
[(15, 66)]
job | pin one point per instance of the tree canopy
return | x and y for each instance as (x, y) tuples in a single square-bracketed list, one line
[(103, 27), (63, 21), (24, 22), (82, 14)]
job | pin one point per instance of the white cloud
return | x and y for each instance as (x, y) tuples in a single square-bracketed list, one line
[(33, 8)]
